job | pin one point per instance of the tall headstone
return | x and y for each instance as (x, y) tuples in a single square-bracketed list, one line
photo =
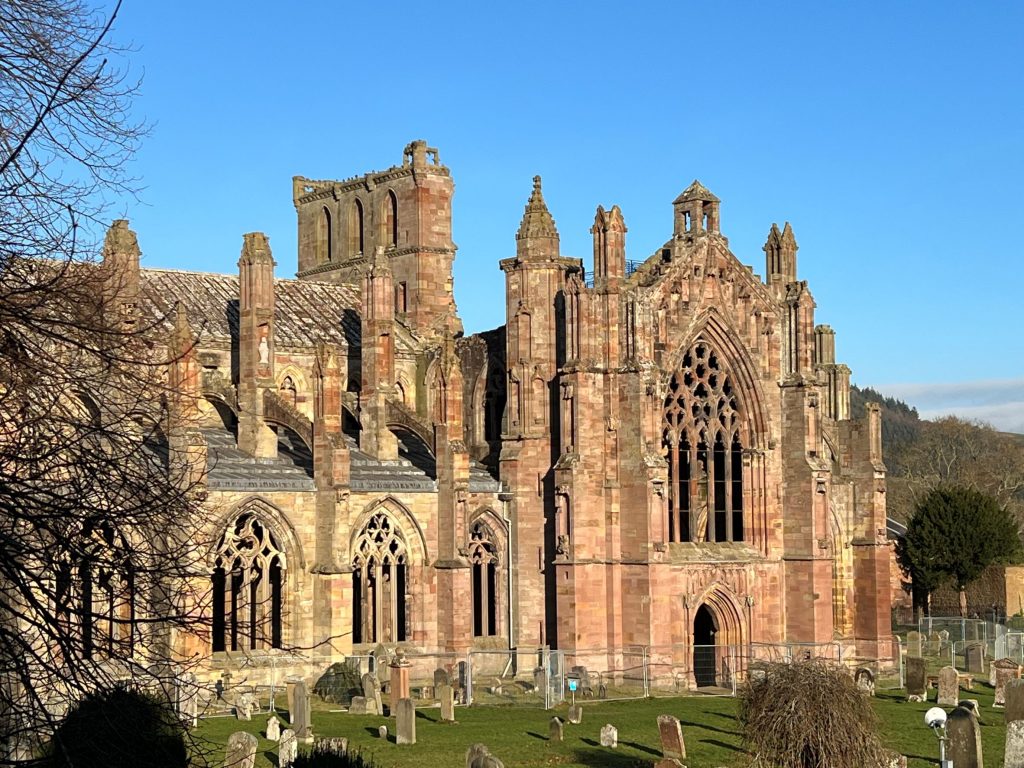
[(556, 730), (963, 739), (405, 725), (975, 653), (934, 644), (441, 677), (241, 751), (1013, 755), (949, 687), (273, 728), (609, 736), (1014, 700), (671, 732), (915, 644), (916, 690), (540, 679), (288, 748), (187, 698), (289, 686), (447, 696), (1005, 670), (300, 714), (371, 690)]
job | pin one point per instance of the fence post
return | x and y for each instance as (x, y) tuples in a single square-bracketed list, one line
[(469, 679), (643, 666)]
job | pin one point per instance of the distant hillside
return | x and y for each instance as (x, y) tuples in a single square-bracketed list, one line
[(900, 423)]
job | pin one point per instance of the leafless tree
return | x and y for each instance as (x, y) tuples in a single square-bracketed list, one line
[(97, 553)]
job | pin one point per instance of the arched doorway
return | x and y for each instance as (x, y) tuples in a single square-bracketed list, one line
[(705, 663)]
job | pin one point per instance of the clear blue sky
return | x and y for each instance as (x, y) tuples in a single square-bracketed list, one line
[(889, 135)]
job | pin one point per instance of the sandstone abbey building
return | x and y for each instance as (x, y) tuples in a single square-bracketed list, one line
[(650, 452)]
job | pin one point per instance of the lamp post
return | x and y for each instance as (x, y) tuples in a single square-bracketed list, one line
[(935, 718)]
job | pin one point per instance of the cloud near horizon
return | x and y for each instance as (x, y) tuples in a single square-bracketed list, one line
[(999, 402)]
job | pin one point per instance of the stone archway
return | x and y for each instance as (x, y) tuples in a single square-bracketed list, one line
[(705, 651)]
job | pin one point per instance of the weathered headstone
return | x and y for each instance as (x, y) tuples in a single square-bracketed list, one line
[(371, 692), (916, 690), (300, 714), (671, 732), (288, 749), (1013, 755), (1005, 671), (609, 736), (447, 696), (358, 706), (865, 681), (441, 677), (382, 732), (540, 678), (1014, 700), (244, 705), (405, 722), (273, 728), (241, 751), (556, 730), (478, 756), (934, 643), (963, 739), (187, 698), (914, 644), (943, 639), (289, 685), (575, 714), (949, 687), (975, 654)]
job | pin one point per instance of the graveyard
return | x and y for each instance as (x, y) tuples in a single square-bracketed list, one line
[(524, 736)]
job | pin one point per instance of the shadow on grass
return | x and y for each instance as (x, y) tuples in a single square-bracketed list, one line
[(641, 748), (424, 716), (375, 732), (537, 736), (707, 727), (605, 758), (271, 758), (722, 744)]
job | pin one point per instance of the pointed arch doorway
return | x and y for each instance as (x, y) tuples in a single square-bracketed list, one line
[(705, 656)]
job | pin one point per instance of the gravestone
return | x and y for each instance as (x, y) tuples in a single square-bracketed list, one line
[(337, 745), (371, 692), (358, 706), (575, 714), (1005, 670), (609, 736), (949, 687), (289, 685), (1013, 755), (496, 687), (602, 691), (187, 696), (478, 756), (865, 681), (556, 730), (441, 677), (241, 751), (975, 653), (244, 705), (1014, 700), (943, 639), (273, 728), (934, 643), (382, 732), (668, 762), (914, 644), (540, 678), (671, 732), (916, 690), (447, 696), (288, 749), (462, 674), (405, 722), (399, 689), (300, 715), (963, 744), (380, 659)]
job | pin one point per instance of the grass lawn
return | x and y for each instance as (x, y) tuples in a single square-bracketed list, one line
[(520, 736)]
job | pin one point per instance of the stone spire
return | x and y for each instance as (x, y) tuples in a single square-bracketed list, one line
[(780, 252), (537, 237)]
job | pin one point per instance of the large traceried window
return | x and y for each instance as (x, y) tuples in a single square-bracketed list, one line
[(380, 581), (248, 581), (701, 434), (483, 558)]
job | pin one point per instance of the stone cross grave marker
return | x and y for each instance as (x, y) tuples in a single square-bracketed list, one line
[(1013, 755), (914, 644), (916, 690), (949, 687), (964, 739), (671, 732), (241, 751), (1004, 670), (405, 722), (288, 748), (556, 730), (447, 696), (609, 736), (273, 728)]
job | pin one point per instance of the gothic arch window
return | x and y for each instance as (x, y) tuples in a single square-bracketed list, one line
[(248, 581), (494, 401), (483, 558), (356, 231), (701, 436), (380, 581), (325, 237), (289, 392), (391, 219)]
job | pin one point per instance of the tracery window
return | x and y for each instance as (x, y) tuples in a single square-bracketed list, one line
[(380, 582), (248, 581), (483, 558), (701, 435)]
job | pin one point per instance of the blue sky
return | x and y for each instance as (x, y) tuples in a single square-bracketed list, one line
[(889, 135)]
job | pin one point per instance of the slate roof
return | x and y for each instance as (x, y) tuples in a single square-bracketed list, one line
[(305, 311)]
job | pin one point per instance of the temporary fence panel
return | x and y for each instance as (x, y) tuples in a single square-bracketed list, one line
[(513, 677)]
